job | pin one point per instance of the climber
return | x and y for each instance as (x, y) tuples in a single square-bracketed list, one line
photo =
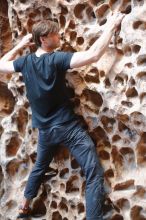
[(44, 76)]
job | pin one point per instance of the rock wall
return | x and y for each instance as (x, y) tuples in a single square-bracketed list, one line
[(110, 95)]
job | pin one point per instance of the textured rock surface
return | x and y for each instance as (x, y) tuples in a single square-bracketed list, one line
[(110, 95)]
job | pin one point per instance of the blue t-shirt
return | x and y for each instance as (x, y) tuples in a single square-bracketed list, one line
[(44, 78)]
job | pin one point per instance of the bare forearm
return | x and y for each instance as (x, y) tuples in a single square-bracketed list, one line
[(11, 54), (6, 62), (95, 52), (100, 46)]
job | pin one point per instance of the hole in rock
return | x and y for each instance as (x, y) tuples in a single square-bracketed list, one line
[(33, 157), (127, 104), (119, 40), (127, 51), (141, 148), (26, 104), (141, 75), (23, 1), (136, 48), (102, 22), (55, 195), (93, 96), (73, 35), (1, 130), (62, 21), (141, 60), (7, 100), (109, 173), (30, 24), (104, 155), (140, 192), (78, 10), (62, 154), (53, 205), (99, 134), (126, 130), (46, 13), (107, 83), (4, 7), (84, 11), (131, 92), (129, 65), (92, 78), (80, 40), (108, 206), (102, 73), (94, 70), (117, 158), (64, 173), (127, 185), (123, 203), (116, 138), (139, 24), (83, 185), (21, 89), (72, 185), (64, 10), (50, 172), (126, 7), (92, 40), (96, 2), (22, 120), (143, 97), (121, 77), (132, 81), (117, 217), (12, 167), (62, 187), (126, 10), (63, 205), (137, 118), (13, 145), (129, 155), (80, 208), (124, 118), (135, 213), (1, 175), (107, 123), (102, 10), (72, 24), (38, 208), (74, 164), (67, 47), (90, 13), (106, 144), (56, 216)]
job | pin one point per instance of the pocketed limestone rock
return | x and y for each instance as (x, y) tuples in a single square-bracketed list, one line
[(109, 95)]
